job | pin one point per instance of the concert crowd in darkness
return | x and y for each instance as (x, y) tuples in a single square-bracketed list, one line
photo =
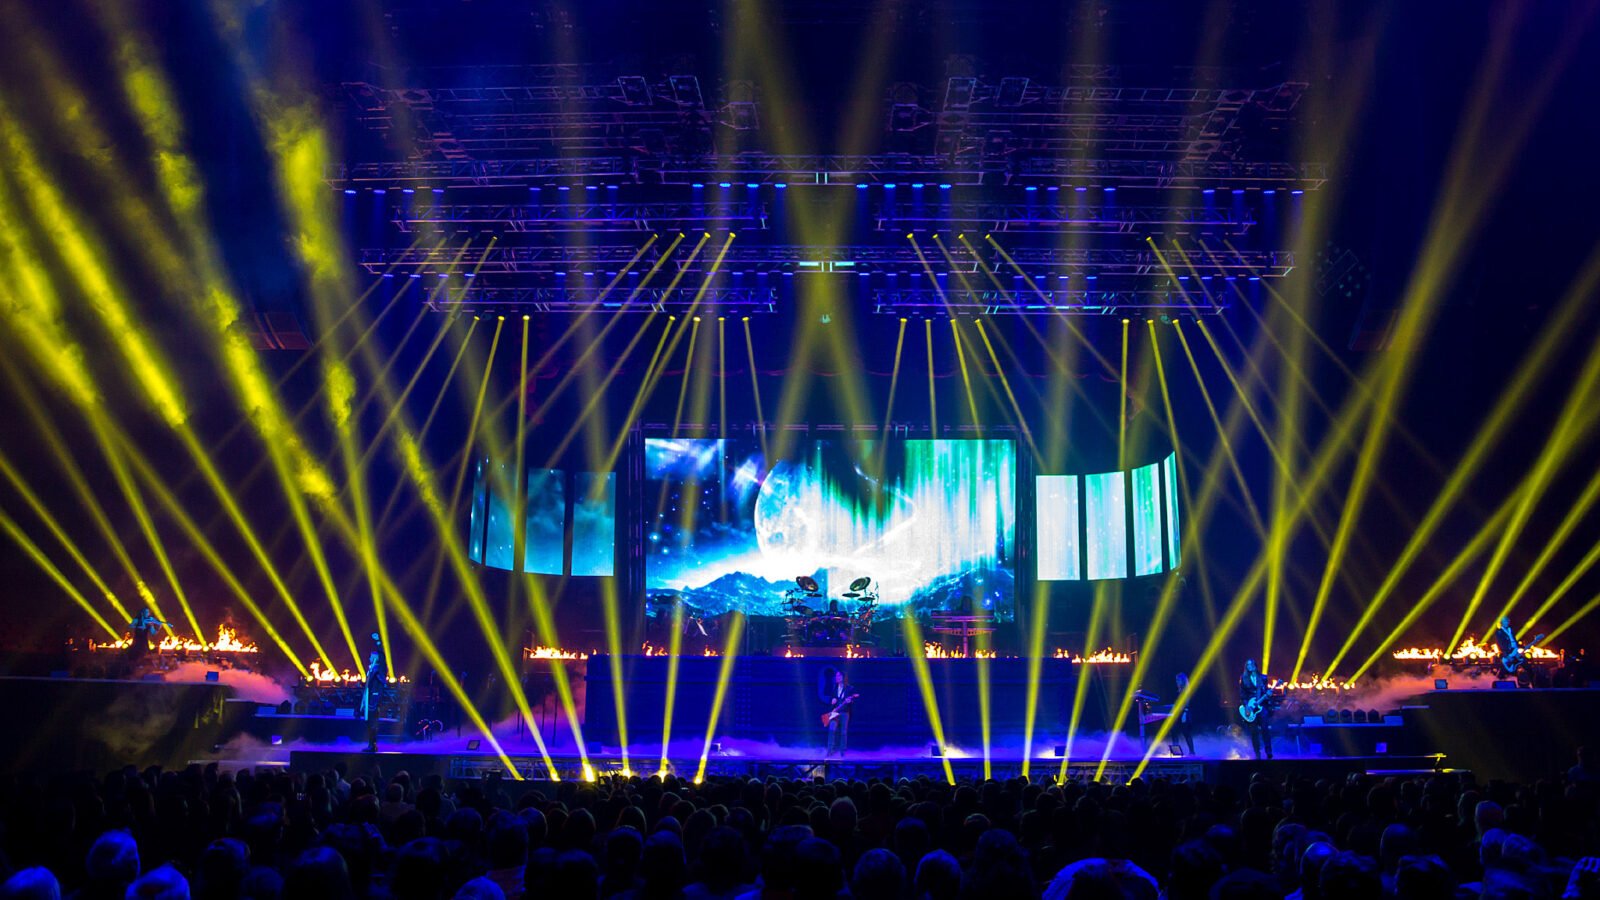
[(345, 834)]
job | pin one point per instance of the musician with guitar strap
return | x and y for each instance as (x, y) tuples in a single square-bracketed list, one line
[(1513, 653), (1255, 708), (840, 697)]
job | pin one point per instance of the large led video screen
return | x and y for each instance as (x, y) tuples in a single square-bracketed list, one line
[(933, 523)]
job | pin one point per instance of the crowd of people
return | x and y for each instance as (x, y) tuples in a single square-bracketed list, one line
[(341, 835)]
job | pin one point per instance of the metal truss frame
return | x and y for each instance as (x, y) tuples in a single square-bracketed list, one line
[(587, 216), (581, 299), (926, 302), (804, 259), (1054, 218), (827, 169)]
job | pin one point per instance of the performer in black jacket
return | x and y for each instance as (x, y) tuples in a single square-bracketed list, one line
[(1253, 687)]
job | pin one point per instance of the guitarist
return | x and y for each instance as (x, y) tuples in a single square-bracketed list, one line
[(1513, 653), (1255, 694), (841, 699)]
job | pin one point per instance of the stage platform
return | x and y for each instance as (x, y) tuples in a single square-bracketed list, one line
[(472, 766)]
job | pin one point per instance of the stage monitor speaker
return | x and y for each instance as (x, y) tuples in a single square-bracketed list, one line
[(213, 677), (1441, 684), (277, 740), (1505, 685), (1061, 750), (474, 744), (1380, 748)]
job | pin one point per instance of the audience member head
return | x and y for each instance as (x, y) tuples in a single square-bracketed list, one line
[(31, 884), (1423, 878), (1347, 876), (318, 874), (113, 863), (160, 883), (1195, 867), (938, 877), (878, 873)]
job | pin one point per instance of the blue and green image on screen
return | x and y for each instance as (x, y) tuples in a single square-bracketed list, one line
[(549, 496), (1084, 522)]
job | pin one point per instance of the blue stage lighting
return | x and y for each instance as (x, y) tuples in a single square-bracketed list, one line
[(1270, 191), (751, 185), (1209, 191), (350, 191), (438, 190), (725, 184), (916, 185), (781, 185), (591, 187), (1238, 191), (388, 274), (697, 184), (1297, 192), (379, 191), (407, 191), (563, 188), (1031, 188), (1080, 189), (889, 186), (861, 185), (414, 275), (1111, 190), (944, 187)]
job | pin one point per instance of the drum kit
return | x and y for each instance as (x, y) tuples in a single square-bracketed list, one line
[(815, 624)]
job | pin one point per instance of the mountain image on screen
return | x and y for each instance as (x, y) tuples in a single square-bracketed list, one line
[(933, 523)]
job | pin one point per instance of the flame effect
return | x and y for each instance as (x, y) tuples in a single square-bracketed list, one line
[(1106, 657), (227, 641), (542, 652), (1469, 651), (1316, 683), (323, 677), (650, 649), (937, 651)]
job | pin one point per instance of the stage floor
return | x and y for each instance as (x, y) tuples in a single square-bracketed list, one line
[(465, 765)]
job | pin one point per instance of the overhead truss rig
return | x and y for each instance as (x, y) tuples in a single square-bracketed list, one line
[(543, 111), (609, 215), (506, 300), (930, 303), (1040, 262), (832, 170)]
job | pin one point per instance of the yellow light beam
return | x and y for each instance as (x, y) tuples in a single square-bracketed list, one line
[(755, 382), (1575, 419), (730, 656), (20, 536), (1512, 400), (61, 536), (674, 647)]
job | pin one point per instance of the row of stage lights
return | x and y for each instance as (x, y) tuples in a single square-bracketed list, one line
[(860, 186)]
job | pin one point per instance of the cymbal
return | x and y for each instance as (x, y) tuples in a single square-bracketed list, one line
[(860, 584), (808, 584), (852, 595)]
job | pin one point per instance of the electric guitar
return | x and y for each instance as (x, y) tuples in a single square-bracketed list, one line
[(1251, 709), (837, 711), (1513, 661)]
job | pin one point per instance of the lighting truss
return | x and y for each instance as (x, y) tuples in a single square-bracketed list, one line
[(1132, 262), (828, 170), (926, 302), (1056, 218), (587, 216), (1019, 117), (556, 299)]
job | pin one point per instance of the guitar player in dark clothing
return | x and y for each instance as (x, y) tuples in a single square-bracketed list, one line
[(1253, 687), (840, 699)]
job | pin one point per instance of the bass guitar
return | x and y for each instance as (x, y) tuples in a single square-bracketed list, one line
[(837, 711), (1513, 661)]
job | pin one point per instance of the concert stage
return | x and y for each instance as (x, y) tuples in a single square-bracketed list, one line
[(460, 765), (777, 700)]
